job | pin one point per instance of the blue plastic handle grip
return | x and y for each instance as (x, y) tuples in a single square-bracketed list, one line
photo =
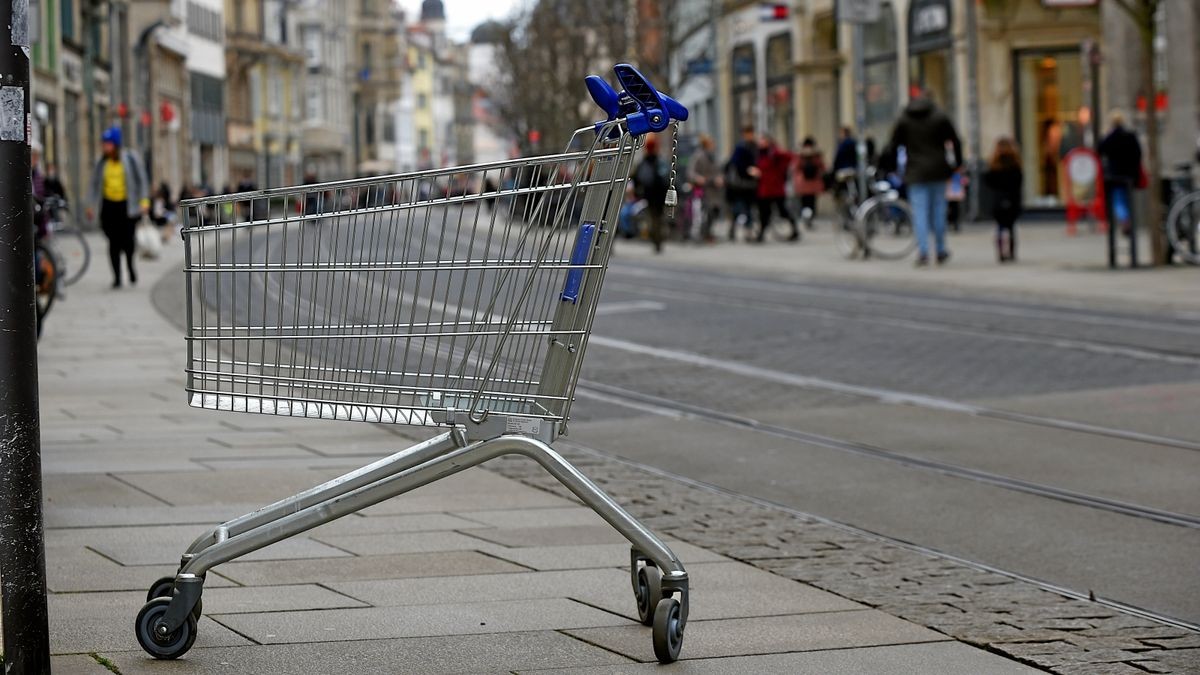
[(604, 95), (579, 257)]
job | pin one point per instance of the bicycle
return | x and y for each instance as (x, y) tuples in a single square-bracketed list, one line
[(72, 255), (879, 226), (1183, 219), (45, 282)]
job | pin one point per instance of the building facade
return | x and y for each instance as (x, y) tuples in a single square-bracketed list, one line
[(265, 74), (1045, 72), (377, 56), (326, 39)]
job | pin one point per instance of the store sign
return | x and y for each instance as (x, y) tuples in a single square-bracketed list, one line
[(928, 25), (859, 11)]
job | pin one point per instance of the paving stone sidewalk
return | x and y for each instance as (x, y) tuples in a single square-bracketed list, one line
[(487, 571)]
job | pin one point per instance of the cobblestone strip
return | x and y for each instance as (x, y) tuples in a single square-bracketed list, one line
[(1005, 615)]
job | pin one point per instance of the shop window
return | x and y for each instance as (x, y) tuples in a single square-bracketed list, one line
[(780, 114), (1049, 100), (744, 67), (931, 60), (881, 75)]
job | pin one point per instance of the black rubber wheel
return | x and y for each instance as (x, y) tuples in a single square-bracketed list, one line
[(165, 588), (649, 592), (668, 630), (169, 646)]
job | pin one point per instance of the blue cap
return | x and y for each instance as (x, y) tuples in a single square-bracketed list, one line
[(112, 135)]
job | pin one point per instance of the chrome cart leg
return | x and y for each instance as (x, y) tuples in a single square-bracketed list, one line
[(405, 459), (172, 617)]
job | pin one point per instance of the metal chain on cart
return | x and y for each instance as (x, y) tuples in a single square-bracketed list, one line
[(672, 199)]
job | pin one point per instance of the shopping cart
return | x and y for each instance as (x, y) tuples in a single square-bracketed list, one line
[(459, 298)]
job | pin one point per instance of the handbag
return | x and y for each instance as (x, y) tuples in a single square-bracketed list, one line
[(1142, 180)]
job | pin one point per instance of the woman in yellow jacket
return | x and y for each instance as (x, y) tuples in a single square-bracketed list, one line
[(120, 192)]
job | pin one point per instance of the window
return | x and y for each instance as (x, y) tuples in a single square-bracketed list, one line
[(313, 102), (389, 128), (780, 115), (881, 74), (744, 67), (366, 57), (311, 37), (68, 19), (421, 101), (274, 94), (423, 138)]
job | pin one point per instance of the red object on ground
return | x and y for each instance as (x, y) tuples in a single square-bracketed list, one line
[(1084, 188)]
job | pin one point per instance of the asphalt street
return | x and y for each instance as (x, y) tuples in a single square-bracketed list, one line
[(1053, 442)]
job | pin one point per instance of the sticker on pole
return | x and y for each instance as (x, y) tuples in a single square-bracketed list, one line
[(859, 11), (12, 114)]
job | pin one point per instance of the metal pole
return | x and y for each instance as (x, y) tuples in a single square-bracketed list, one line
[(973, 122), (860, 106), (23, 563)]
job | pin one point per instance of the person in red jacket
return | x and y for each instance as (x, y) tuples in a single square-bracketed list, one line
[(773, 164)]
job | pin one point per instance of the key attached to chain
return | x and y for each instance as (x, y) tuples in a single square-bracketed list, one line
[(672, 199)]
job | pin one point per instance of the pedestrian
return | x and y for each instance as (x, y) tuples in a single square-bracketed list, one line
[(932, 153), (808, 181), (54, 186), (741, 182), (651, 183), (121, 195), (162, 210), (773, 164), (1121, 157), (706, 180), (1005, 179), (846, 154)]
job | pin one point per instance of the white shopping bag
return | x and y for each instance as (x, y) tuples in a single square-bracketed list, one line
[(148, 240)]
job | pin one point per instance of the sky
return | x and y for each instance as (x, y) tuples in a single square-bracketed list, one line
[(464, 15)]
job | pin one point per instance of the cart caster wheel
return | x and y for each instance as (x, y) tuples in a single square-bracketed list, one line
[(668, 630), (649, 592), (170, 646), (165, 588)]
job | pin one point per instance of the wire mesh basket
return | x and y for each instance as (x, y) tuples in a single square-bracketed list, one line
[(470, 289)]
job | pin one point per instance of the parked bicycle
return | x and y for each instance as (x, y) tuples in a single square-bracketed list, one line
[(879, 226), (46, 280), (65, 242), (1183, 218)]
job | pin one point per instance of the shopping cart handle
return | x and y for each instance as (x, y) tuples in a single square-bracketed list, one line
[(604, 95), (644, 108)]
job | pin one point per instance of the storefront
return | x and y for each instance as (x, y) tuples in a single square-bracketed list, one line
[(930, 54), (1049, 105)]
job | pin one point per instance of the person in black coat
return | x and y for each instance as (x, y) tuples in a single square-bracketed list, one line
[(933, 152), (1121, 157), (1005, 178)]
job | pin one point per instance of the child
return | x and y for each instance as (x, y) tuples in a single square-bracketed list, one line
[(1005, 178)]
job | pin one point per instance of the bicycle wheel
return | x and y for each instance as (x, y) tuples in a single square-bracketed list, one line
[(848, 240), (1183, 227), (887, 226), (46, 283), (73, 253)]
